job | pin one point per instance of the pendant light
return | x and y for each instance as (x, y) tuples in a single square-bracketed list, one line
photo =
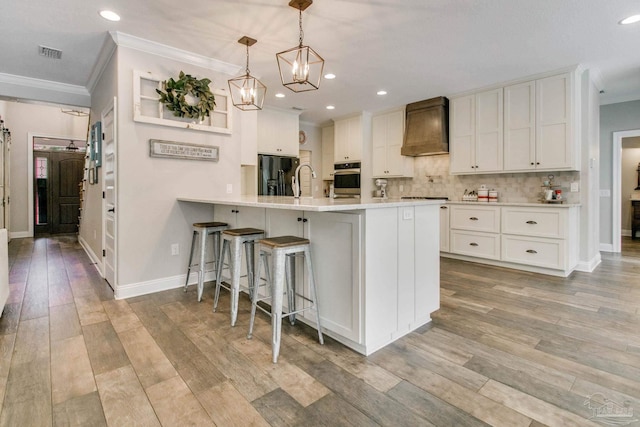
[(247, 92), (300, 67)]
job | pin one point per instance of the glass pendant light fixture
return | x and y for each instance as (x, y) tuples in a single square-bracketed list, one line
[(300, 67), (247, 92)]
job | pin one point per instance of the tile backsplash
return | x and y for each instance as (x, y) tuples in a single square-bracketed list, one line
[(431, 178)]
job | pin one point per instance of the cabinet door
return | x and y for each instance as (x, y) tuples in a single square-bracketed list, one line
[(519, 126), (335, 246), (278, 133), (340, 147), (355, 138), (489, 131), (379, 137), (463, 141), (224, 213), (554, 148), (397, 164), (327, 153)]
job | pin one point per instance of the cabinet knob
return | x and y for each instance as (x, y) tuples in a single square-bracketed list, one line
[(473, 218), (531, 163), (473, 244), (531, 222), (537, 163), (305, 220), (531, 251), (299, 219), (443, 207)]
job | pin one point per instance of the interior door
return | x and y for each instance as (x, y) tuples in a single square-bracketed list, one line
[(109, 188), (67, 170)]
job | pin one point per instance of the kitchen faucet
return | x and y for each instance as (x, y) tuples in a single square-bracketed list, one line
[(295, 180)]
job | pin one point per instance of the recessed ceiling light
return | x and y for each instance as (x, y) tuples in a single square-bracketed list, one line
[(630, 20), (329, 76), (330, 107), (382, 92), (109, 15), (279, 95)]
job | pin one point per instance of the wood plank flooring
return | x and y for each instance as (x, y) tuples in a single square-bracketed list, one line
[(507, 348)]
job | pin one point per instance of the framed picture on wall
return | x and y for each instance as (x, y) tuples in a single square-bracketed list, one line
[(95, 144)]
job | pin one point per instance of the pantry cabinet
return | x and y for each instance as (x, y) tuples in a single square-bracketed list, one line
[(387, 132), (327, 153), (539, 125), (349, 138), (278, 133), (477, 133)]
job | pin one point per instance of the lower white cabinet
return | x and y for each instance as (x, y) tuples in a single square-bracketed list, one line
[(444, 228), (535, 238)]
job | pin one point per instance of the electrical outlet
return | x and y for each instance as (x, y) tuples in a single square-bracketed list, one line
[(407, 214), (575, 186), (175, 249), (229, 188), (401, 188), (605, 193)]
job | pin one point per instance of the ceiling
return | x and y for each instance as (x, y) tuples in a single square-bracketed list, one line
[(413, 49)]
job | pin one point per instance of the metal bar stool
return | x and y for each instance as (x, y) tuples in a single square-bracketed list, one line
[(282, 251), (205, 229), (232, 242)]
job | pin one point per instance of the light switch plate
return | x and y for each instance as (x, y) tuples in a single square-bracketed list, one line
[(605, 193), (575, 186), (229, 188), (407, 214)]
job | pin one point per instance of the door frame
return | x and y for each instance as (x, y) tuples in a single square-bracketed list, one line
[(30, 201), (616, 187), (112, 106)]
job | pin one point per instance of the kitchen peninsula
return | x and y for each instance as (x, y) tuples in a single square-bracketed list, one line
[(376, 260)]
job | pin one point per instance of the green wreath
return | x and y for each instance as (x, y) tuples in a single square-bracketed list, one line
[(173, 97)]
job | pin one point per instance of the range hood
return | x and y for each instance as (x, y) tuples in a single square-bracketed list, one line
[(427, 128)]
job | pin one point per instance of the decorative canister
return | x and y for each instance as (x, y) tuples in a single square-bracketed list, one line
[(483, 194), (493, 195)]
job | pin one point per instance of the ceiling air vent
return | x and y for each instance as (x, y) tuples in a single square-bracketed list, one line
[(297, 108), (49, 52)]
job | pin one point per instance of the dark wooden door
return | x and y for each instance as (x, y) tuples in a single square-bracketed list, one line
[(58, 194)]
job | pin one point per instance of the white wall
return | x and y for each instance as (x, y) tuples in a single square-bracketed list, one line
[(613, 118), (148, 215), (42, 120), (314, 144)]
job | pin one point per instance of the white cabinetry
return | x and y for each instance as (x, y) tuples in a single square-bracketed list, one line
[(349, 138), (387, 136), (444, 228), (327, 153), (541, 239), (477, 133), (539, 125), (475, 231), (335, 249), (278, 132)]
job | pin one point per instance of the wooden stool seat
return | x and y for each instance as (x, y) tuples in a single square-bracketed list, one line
[(210, 224), (243, 231), (284, 241)]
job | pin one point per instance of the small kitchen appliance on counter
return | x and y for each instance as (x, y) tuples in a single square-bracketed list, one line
[(382, 191)]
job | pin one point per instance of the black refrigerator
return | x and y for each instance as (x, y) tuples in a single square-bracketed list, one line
[(275, 173)]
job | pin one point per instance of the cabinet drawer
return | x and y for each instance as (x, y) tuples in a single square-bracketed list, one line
[(475, 218), (533, 251), (485, 245), (543, 222)]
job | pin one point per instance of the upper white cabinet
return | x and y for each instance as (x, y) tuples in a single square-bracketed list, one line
[(327, 153), (278, 132), (539, 125), (529, 126), (387, 136), (477, 133), (349, 138)]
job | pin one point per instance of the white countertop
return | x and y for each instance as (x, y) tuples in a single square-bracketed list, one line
[(523, 204), (323, 204)]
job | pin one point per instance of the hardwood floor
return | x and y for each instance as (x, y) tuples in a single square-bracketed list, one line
[(507, 348)]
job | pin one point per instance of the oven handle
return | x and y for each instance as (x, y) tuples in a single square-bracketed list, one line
[(346, 171)]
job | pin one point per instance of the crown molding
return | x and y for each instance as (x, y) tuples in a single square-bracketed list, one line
[(12, 79), (169, 52), (21, 87)]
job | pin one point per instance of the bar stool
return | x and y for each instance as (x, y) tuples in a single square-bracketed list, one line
[(283, 251), (205, 229), (232, 242)]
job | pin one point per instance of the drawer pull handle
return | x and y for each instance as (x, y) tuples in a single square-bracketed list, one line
[(531, 251), (473, 218), (443, 207), (531, 222), (473, 244)]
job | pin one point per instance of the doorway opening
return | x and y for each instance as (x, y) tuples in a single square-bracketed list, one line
[(58, 170), (621, 193)]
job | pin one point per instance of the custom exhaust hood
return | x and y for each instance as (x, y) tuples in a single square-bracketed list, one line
[(427, 128)]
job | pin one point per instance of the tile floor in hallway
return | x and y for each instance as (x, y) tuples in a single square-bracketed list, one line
[(507, 348)]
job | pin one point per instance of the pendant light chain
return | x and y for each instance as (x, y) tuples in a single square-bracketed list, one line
[(247, 69), (300, 24)]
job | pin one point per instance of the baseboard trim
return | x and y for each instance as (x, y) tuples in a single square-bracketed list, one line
[(589, 266), (505, 264), (97, 261), (606, 247), (157, 285), (19, 234)]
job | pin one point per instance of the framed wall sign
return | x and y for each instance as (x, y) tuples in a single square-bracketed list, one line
[(182, 150)]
